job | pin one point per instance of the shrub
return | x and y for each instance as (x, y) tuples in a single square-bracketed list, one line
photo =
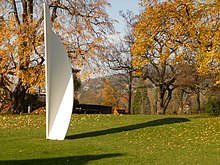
[(213, 106), (33, 101)]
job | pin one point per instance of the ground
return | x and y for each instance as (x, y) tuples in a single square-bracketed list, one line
[(112, 139)]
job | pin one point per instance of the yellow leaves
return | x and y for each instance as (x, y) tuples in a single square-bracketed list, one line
[(208, 60), (18, 53), (32, 76), (139, 62), (20, 121), (217, 82), (152, 34), (164, 57), (109, 94), (99, 40), (138, 49), (179, 31), (178, 59)]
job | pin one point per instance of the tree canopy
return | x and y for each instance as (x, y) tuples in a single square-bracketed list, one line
[(82, 26), (170, 33)]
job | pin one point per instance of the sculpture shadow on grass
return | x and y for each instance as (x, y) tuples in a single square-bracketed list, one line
[(153, 123), (78, 160)]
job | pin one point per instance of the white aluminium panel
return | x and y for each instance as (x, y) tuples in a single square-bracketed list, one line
[(59, 83)]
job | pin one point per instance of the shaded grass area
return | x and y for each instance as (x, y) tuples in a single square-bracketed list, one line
[(76, 160), (153, 123), (109, 139)]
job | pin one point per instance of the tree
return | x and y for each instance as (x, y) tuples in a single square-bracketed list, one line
[(109, 93), (4, 80), (154, 52), (207, 37), (189, 82), (82, 26), (170, 33), (120, 60), (141, 102)]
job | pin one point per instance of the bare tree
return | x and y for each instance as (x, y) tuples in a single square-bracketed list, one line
[(120, 59)]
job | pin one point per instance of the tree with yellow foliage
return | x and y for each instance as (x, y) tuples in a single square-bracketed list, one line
[(109, 93), (154, 51), (172, 32), (82, 26)]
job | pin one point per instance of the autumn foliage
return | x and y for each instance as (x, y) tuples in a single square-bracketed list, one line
[(82, 26), (109, 94), (176, 32)]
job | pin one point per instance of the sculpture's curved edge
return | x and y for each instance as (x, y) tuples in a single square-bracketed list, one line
[(59, 83), (47, 35), (63, 116)]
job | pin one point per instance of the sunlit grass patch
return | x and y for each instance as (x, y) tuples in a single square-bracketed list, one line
[(112, 139)]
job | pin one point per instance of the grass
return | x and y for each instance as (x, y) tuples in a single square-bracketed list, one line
[(111, 140)]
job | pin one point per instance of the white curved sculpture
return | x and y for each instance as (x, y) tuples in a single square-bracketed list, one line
[(59, 83)]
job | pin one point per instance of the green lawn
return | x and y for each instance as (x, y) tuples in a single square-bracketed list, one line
[(113, 140)]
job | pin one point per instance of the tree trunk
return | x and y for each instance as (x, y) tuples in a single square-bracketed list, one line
[(155, 104), (129, 98), (142, 102), (161, 110), (130, 92), (198, 102), (18, 98), (164, 100)]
